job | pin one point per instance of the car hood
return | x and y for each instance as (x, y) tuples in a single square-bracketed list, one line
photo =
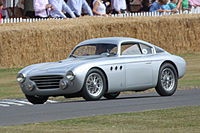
[(60, 67)]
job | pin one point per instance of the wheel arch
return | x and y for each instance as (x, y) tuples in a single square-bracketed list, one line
[(172, 63), (104, 75), (159, 87)]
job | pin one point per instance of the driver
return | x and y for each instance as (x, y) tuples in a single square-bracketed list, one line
[(101, 49)]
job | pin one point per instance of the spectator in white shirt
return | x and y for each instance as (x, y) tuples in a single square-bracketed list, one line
[(118, 6), (99, 7), (42, 8), (60, 6), (77, 5)]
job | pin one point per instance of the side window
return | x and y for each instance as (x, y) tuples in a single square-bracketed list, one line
[(146, 49), (113, 51), (130, 49)]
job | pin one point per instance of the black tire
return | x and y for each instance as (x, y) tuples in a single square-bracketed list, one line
[(73, 95), (37, 99), (90, 86), (111, 95), (167, 80)]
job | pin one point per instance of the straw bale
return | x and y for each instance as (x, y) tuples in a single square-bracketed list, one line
[(23, 44)]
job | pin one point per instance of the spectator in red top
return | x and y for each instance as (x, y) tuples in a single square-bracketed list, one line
[(1, 7)]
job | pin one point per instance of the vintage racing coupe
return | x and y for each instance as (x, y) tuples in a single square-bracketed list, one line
[(104, 67)]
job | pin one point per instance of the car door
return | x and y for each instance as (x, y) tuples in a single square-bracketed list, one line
[(138, 66)]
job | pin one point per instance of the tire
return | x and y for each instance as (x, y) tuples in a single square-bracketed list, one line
[(111, 95), (167, 80), (73, 95), (94, 86), (37, 99)]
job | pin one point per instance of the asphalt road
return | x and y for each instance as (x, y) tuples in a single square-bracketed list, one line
[(16, 115)]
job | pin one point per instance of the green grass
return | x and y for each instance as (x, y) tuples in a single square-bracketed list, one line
[(9, 87), (192, 77), (176, 120)]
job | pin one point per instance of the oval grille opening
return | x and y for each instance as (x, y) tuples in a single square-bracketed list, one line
[(47, 81)]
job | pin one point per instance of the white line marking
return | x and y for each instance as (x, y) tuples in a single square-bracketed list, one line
[(4, 105), (51, 101), (20, 101), (12, 103)]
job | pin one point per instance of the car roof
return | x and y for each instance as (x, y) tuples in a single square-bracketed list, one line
[(112, 40)]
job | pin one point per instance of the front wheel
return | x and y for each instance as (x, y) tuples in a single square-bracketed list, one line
[(167, 80), (111, 95), (94, 86), (37, 99)]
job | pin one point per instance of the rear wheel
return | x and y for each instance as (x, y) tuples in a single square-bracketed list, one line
[(111, 95), (94, 86), (37, 99), (167, 80)]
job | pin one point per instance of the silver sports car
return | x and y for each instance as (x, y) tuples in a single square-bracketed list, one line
[(104, 67)]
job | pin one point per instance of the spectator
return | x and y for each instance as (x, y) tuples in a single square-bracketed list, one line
[(28, 9), (1, 7), (3, 11), (194, 3), (20, 5), (145, 6), (90, 3), (60, 6), (77, 5), (166, 8), (128, 5), (182, 5), (156, 6), (42, 8), (172, 4), (118, 6), (99, 8)]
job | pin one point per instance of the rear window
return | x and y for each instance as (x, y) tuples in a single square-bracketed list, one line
[(158, 50), (146, 49)]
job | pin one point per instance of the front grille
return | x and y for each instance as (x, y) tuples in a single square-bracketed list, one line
[(47, 81)]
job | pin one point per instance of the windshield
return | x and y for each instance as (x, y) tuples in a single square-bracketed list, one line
[(95, 49)]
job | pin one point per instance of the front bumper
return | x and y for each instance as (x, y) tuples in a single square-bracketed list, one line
[(72, 87)]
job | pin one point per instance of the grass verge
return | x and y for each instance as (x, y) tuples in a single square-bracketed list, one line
[(192, 77), (9, 87), (176, 120)]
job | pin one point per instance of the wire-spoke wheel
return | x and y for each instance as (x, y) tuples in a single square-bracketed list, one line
[(95, 85), (167, 80)]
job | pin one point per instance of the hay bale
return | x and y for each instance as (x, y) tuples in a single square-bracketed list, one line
[(23, 44)]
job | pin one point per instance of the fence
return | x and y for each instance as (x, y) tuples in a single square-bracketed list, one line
[(30, 20)]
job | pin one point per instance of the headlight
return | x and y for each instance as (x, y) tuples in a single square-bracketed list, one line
[(70, 75), (20, 78)]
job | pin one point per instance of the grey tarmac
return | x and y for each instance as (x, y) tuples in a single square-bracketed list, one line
[(17, 115)]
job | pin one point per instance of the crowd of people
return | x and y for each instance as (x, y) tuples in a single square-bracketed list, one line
[(77, 8)]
